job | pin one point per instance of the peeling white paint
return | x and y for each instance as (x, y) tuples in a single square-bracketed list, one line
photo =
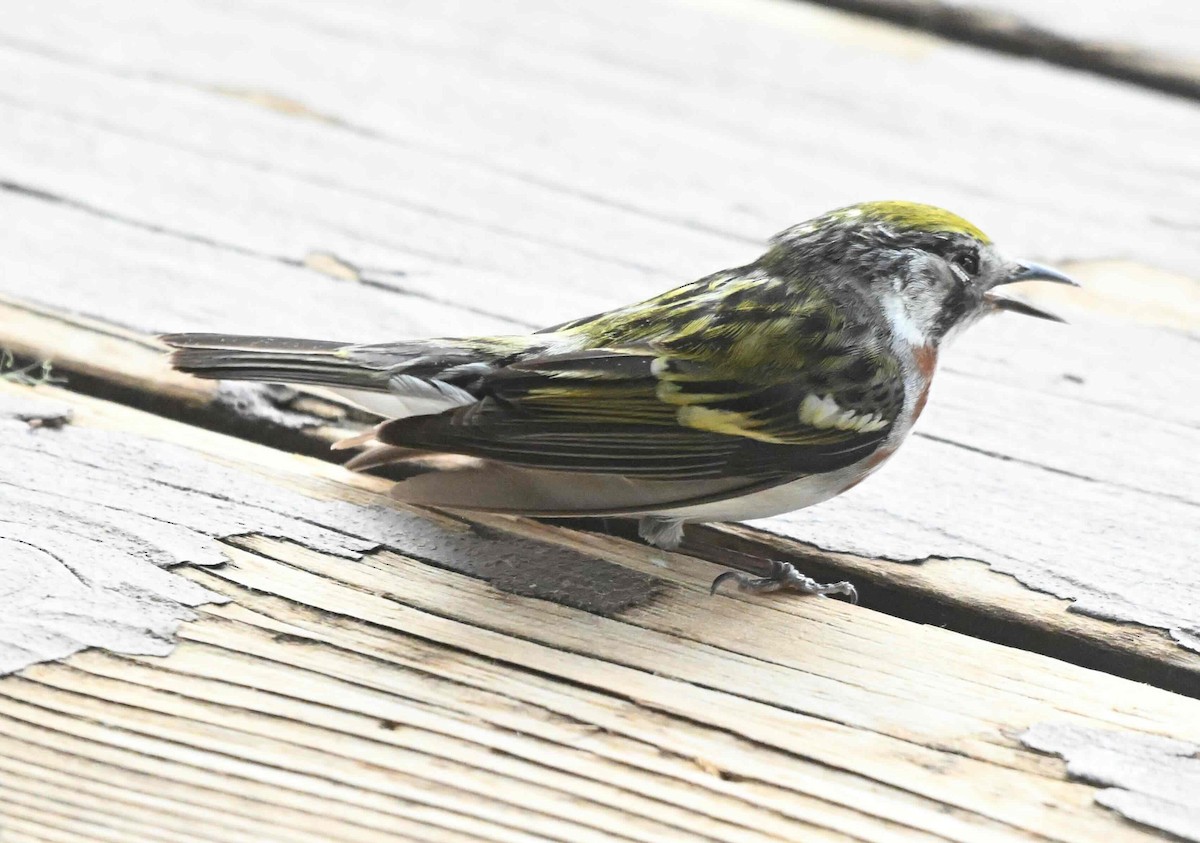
[(92, 521), (1150, 780), (599, 231)]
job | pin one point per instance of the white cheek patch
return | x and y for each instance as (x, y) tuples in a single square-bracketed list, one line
[(905, 324), (825, 413)]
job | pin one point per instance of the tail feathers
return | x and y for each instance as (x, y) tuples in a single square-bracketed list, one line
[(282, 359)]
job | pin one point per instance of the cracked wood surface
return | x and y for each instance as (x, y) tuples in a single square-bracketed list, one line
[(1163, 30), (413, 157), (379, 697), (1142, 777), (297, 201), (1152, 42), (368, 171), (92, 520), (258, 192), (959, 593)]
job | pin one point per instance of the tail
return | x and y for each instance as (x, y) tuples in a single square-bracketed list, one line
[(277, 359)]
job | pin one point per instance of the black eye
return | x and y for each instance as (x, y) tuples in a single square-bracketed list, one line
[(968, 260)]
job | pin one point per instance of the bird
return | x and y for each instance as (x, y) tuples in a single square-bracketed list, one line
[(748, 393)]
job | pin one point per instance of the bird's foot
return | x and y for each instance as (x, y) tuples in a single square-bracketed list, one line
[(783, 575)]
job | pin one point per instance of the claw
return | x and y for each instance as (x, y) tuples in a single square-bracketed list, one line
[(784, 575)]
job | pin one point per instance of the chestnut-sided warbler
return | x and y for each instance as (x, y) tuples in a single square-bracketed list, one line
[(751, 392)]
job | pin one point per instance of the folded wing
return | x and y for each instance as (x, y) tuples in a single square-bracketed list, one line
[(644, 414)]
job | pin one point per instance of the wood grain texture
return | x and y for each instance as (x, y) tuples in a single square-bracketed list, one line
[(661, 154), (387, 698), (128, 365), (203, 184), (93, 519), (371, 171), (1151, 43), (934, 587)]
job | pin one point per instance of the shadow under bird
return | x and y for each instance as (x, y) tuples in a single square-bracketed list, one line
[(751, 392)]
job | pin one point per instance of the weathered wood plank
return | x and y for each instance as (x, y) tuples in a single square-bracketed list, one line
[(69, 780), (253, 190), (134, 510), (1138, 477), (591, 174), (1132, 769), (180, 169), (128, 366), (386, 689), (1152, 43)]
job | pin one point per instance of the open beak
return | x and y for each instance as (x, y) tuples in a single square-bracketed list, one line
[(1027, 271), (1030, 271)]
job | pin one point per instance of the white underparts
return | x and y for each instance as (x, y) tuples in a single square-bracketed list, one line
[(798, 494)]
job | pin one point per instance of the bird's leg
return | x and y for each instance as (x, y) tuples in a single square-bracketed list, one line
[(667, 533), (783, 575)]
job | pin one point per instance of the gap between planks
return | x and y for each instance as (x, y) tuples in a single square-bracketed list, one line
[(117, 364), (991, 26), (810, 696)]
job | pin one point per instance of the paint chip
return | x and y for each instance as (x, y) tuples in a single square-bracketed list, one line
[(92, 520), (1149, 779)]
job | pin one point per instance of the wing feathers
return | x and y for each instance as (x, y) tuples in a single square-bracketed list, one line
[(416, 376), (609, 411), (713, 390)]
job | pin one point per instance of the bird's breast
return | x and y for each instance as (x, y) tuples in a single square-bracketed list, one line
[(924, 365)]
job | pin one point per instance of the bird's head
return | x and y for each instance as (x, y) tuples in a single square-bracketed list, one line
[(931, 272)]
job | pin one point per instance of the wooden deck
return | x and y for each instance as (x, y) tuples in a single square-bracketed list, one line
[(211, 632)]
